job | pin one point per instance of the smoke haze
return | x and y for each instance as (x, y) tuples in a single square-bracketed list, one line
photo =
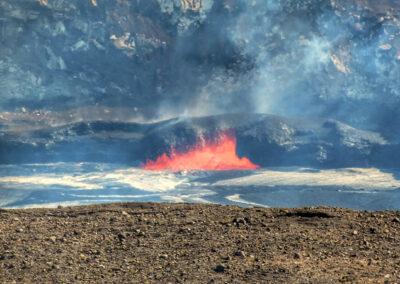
[(92, 89), (151, 60)]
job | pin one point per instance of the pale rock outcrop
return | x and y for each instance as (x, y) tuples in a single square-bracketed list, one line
[(186, 13)]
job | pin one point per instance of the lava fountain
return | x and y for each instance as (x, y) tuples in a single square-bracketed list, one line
[(215, 155)]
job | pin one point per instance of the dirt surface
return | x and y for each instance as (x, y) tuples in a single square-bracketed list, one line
[(192, 243)]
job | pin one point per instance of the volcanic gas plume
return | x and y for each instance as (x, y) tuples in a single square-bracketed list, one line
[(216, 154)]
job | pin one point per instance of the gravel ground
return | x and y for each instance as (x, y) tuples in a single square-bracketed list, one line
[(194, 243)]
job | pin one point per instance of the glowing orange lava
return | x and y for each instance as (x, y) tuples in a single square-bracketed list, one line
[(209, 155)]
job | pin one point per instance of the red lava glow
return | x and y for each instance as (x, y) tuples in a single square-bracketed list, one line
[(216, 155)]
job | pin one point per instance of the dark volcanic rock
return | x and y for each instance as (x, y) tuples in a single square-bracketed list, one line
[(267, 140), (203, 55), (62, 54), (74, 72)]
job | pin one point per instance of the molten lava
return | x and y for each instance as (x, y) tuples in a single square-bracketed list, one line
[(209, 155)]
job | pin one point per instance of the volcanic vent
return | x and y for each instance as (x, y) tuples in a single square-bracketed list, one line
[(218, 153)]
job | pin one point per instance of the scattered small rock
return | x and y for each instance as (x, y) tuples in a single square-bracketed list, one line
[(240, 253), (220, 268), (92, 248), (121, 237)]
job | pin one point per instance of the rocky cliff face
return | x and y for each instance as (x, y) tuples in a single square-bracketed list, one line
[(288, 57), (59, 54), (71, 51), (62, 62)]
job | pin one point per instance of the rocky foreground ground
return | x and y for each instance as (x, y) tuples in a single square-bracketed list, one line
[(193, 243)]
